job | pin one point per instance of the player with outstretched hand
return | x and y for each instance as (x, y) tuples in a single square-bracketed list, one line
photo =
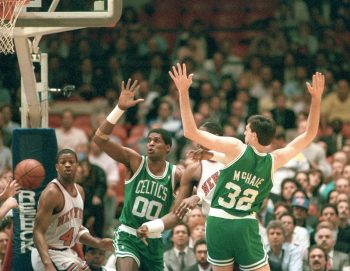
[(149, 192), (246, 179), (202, 172)]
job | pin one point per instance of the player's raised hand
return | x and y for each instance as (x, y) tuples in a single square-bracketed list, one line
[(317, 87), (180, 78), (127, 95)]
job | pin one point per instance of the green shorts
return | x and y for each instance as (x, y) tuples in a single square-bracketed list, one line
[(148, 258), (235, 240)]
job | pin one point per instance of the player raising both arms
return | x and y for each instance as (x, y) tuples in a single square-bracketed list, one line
[(232, 229), (149, 193)]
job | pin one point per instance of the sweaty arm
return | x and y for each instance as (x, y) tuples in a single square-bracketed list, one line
[(128, 157), (282, 156), (86, 238), (230, 146), (50, 200), (188, 179)]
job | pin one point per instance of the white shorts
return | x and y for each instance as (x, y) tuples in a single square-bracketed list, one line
[(63, 260)]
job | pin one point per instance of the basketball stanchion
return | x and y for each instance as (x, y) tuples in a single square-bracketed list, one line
[(9, 11)]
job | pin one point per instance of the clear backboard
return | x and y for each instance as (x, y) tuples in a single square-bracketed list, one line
[(44, 17), (70, 13)]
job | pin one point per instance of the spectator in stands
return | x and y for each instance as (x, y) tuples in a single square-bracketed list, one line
[(302, 177), (200, 252), (9, 124), (336, 140), (93, 180), (68, 135), (336, 105), (314, 153), (294, 89), (280, 208), (296, 235), (110, 168), (5, 156), (282, 255), (196, 35), (288, 187), (342, 185), (317, 259), (4, 238), (180, 255), (300, 208), (329, 213), (6, 136), (329, 183), (95, 258), (283, 116), (343, 208), (268, 102), (197, 231), (324, 238), (166, 120)]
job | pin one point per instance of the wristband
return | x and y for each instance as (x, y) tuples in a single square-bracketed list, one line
[(200, 198), (81, 232), (217, 156), (115, 115), (102, 135), (154, 226)]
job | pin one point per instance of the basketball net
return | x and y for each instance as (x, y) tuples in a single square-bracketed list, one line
[(9, 11)]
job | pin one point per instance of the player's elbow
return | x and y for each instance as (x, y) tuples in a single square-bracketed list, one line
[(97, 140), (189, 134)]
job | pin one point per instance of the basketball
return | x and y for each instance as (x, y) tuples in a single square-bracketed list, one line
[(29, 173)]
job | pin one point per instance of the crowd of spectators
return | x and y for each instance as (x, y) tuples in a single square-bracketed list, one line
[(309, 203)]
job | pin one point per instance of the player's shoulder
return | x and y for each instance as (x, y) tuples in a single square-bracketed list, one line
[(51, 195)]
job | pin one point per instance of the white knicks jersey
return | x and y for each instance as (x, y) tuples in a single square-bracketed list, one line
[(207, 182), (65, 225)]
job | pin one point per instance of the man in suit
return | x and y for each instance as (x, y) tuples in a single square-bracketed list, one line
[(324, 238), (180, 255), (200, 251), (330, 214), (317, 259)]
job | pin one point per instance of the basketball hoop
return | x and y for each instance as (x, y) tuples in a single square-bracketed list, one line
[(9, 11)]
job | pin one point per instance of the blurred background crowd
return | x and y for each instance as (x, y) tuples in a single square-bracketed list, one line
[(248, 57)]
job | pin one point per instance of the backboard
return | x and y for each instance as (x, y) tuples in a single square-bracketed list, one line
[(70, 13)]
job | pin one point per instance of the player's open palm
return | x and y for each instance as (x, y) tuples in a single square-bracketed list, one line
[(317, 87), (127, 95), (180, 78)]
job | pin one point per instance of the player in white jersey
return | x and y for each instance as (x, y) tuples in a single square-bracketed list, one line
[(58, 223), (200, 173)]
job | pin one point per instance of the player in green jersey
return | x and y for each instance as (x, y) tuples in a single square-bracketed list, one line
[(246, 179), (149, 193)]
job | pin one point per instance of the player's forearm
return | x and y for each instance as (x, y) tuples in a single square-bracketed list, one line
[(42, 247), (113, 117), (88, 240), (170, 220), (188, 122), (7, 206), (313, 120)]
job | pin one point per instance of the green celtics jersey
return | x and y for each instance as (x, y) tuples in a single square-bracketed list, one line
[(244, 183), (146, 196)]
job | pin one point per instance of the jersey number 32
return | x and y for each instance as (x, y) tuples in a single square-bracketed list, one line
[(245, 197)]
